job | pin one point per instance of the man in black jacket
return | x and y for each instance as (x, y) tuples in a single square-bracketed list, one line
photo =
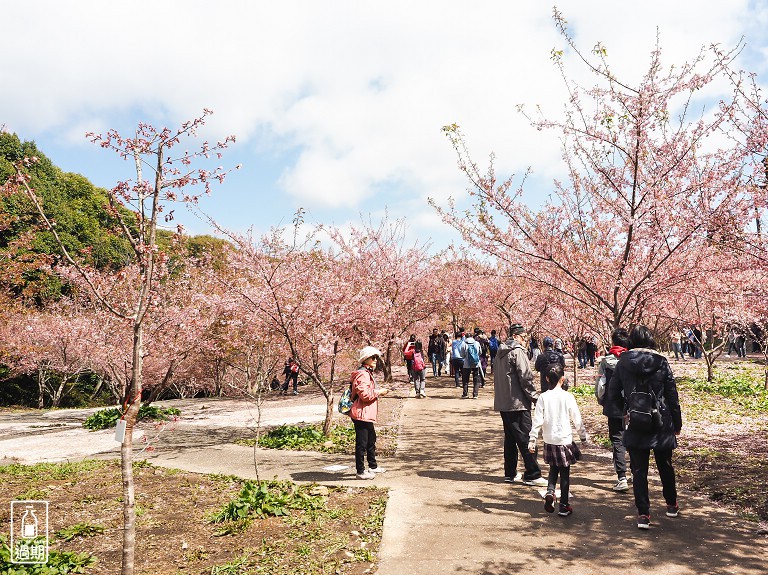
[(436, 352)]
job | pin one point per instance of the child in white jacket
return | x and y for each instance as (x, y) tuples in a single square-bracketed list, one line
[(555, 410)]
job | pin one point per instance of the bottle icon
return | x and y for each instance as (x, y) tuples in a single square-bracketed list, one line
[(29, 523)]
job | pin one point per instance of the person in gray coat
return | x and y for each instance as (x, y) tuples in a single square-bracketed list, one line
[(514, 395)]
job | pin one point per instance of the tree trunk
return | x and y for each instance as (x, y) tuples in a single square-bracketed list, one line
[(98, 388), (328, 415), (59, 393), (41, 377), (126, 454), (388, 362), (327, 424)]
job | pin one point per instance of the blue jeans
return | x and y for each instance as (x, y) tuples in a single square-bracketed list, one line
[(436, 365), (678, 350)]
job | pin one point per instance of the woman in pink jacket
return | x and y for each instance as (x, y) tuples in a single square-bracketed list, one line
[(365, 410)]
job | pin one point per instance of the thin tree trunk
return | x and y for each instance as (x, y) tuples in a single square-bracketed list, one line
[(329, 398), (41, 378), (126, 454), (98, 388)]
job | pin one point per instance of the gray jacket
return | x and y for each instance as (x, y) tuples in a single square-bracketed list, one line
[(513, 379)]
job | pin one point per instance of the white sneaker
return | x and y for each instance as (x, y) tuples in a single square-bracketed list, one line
[(621, 485), (540, 482), (377, 470), (365, 475)]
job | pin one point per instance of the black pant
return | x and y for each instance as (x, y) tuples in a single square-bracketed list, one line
[(458, 365), (365, 445), (616, 433), (291, 377), (517, 426), (565, 481), (475, 379), (638, 460)]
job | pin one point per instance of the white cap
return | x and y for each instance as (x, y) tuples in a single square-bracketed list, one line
[(368, 351)]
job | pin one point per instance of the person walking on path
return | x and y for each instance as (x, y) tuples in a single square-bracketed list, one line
[(365, 411), (436, 352), (470, 351), (457, 360), (546, 360), (482, 339), (408, 348), (514, 394), (446, 351), (677, 339), (418, 370), (642, 364), (291, 373), (591, 351), (493, 347), (555, 410), (620, 343)]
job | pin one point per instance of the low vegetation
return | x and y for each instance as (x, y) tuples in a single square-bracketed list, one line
[(106, 418), (307, 438)]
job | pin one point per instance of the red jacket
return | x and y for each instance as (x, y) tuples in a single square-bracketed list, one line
[(366, 403)]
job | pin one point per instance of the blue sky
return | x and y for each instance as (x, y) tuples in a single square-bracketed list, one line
[(337, 106)]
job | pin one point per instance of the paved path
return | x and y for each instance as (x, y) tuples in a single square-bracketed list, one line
[(449, 510)]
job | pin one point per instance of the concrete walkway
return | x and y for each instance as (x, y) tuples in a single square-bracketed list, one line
[(449, 510)]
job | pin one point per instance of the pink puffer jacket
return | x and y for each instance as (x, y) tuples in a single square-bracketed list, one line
[(366, 403)]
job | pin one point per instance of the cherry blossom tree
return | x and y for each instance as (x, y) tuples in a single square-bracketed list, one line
[(647, 184), (395, 281), (138, 206), (297, 290)]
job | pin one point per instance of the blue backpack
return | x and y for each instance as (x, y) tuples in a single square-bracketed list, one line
[(473, 356)]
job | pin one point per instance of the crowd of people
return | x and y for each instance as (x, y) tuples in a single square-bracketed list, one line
[(634, 386)]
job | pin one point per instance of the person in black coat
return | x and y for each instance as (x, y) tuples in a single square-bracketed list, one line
[(546, 360), (643, 364)]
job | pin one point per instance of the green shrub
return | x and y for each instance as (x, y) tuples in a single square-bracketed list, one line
[(307, 438), (106, 418), (265, 499)]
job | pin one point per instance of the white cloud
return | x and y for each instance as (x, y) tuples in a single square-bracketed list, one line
[(353, 94)]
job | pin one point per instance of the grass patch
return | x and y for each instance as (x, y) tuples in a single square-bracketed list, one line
[(307, 438), (743, 388), (585, 390), (106, 418), (79, 530), (51, 471)]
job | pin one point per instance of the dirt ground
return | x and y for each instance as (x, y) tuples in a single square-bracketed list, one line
[(174, 534)]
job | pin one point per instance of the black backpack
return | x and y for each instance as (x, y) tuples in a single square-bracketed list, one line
[(643, 409)]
